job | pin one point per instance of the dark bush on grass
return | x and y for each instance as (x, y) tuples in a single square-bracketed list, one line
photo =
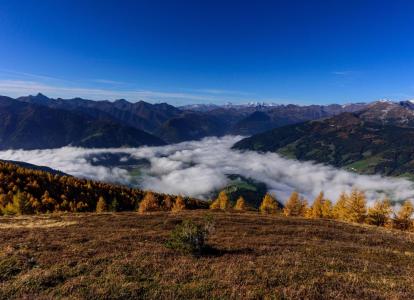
[(189, 237)]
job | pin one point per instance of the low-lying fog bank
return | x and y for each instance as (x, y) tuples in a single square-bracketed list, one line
[(197, 168)]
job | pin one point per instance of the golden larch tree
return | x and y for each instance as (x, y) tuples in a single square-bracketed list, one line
[(149, 203), (224, 201), (101, 205), (315, 211), (403, 218), (379, 213), (356, 207), (179, 204), (295, 206), (269, 205), (20, 205), (305, 207), (327, 209), (240, 204), (339, 210)]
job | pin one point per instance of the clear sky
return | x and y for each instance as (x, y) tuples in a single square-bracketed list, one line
[(209, 51)]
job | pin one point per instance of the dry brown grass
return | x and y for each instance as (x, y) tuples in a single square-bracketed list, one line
[(33, 222), (122, 255)]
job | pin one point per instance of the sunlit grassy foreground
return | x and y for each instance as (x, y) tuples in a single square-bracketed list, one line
[(123, 255)]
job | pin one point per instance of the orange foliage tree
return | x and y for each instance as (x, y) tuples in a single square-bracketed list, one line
[(149, 203), (356, 207), (179, 204), (295, 206), (240, 204), (379, 213), (403, 219), (269, 205)]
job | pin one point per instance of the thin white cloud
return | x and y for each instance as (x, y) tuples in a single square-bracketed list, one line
[(16, 88), (108, 81), (17, 75), (340, 72), (17, 83), (343, 73), (346, 72), (197, 168), (218, 92)]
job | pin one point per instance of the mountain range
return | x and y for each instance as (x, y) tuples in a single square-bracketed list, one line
[(370, 138), (376, 139), (26, 125), (38, 122)]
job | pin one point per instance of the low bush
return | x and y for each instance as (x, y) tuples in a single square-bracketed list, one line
[(189, 237)]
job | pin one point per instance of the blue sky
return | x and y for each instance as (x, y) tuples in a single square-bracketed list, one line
[(209, 51)]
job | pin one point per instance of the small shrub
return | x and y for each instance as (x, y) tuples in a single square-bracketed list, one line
[(190, 237)]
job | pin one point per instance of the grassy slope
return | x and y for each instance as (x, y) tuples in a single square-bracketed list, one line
[(122, 256)]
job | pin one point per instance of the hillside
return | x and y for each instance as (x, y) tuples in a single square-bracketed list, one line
[(26, 165), (28, 191), (122, 255), (32, 126), (355, 141), (267, 118), (192, 126)]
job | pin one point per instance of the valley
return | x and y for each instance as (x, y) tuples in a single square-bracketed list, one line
[(202, 168)]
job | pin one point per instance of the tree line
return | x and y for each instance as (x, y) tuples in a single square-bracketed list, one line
[(350, 207), (27, 191)]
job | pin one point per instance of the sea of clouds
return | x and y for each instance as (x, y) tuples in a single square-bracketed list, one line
[(197, 168)]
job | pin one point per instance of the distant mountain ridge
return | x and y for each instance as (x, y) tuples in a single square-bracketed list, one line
[(163, 122), (377, 139), (90, 123), (28, 125)]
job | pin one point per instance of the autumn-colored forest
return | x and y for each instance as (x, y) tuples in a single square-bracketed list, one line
[(27, 191), (350, 207)]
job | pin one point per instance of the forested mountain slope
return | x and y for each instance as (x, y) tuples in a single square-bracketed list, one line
[(350, 140)]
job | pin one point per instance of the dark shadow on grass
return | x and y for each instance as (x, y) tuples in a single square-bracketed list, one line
[(210, 251)]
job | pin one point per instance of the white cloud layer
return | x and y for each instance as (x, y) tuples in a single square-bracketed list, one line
[(197, 168)]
